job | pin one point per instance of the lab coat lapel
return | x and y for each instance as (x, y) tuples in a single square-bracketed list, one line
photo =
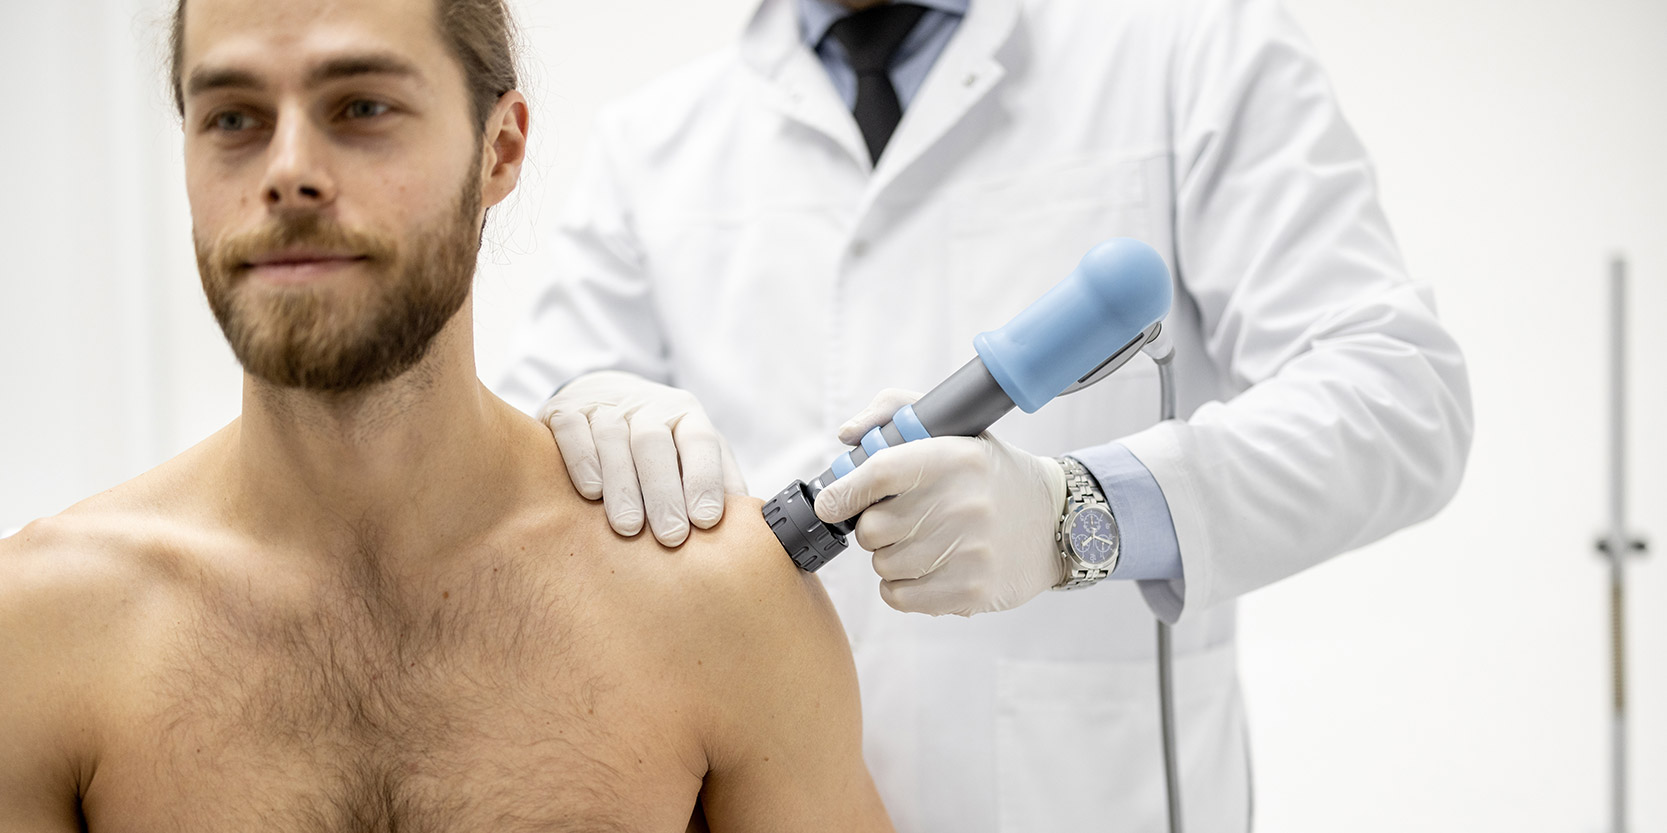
[(964, 74), (794, 82)]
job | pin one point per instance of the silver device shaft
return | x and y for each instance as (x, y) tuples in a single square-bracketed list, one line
[(1166, 659), (1619, 542)]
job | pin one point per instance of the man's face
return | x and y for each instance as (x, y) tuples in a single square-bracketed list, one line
[(334, 173)]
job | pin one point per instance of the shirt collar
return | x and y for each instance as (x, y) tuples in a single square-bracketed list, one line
[(817, 16)]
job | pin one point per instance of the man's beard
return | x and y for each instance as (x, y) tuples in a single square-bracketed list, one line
[(301, 337)]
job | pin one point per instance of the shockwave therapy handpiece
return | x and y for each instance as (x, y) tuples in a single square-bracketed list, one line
[(1079, 332)]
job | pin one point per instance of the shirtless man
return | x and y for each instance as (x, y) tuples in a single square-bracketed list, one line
[(369, 603)]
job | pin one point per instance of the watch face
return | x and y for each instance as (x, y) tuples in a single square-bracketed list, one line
[(1093, 535)]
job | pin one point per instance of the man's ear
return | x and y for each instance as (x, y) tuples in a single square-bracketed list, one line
[(506, 147)]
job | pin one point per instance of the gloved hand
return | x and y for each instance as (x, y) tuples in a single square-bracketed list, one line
[(645, 449), (970, 524)]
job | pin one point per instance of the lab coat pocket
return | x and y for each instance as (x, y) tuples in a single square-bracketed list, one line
[(1076, 743), (1011, 238), (1078, 746), (1014, 237)]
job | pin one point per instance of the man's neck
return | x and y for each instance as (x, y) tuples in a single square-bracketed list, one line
[(410, 466)]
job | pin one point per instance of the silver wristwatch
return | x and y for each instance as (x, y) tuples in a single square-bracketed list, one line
[(1087, 533)]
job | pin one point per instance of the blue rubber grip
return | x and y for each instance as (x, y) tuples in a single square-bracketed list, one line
[(909, 425), (842, 465), (1120, 288), (873, 443)]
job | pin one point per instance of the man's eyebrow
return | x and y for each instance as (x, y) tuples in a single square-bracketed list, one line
[(350, 66), (203, 80), (347, 66)]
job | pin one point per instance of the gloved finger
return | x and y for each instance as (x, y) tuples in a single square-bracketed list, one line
[(878, 413), (922, 538), (655, 454), (935, 595), (621, 496), (700, 452), (734, 483), (896, 471), (578, 451), (913, 559), (893, 522)]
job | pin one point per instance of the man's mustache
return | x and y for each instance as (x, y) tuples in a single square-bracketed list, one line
[(311, 233)]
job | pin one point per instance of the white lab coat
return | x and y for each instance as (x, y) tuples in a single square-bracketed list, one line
[(728, 236)]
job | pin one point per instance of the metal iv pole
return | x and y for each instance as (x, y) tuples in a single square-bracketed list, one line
[(1618, 543)]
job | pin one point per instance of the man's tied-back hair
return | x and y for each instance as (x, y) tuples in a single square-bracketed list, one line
[(480, 34)]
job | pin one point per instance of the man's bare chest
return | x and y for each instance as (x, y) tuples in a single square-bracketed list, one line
[(506, 702)]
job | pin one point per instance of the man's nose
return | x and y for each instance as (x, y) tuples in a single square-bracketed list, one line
[(297, 176)]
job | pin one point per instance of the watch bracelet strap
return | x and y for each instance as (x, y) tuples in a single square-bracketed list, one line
[(1079, 482)]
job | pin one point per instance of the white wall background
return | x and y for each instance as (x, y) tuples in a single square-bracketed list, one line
[(1451, 678)]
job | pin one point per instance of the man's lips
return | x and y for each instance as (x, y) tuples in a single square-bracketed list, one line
[(300, 265)]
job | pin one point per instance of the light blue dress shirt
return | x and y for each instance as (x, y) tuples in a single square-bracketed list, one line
[(908, 67), (1150, 549)]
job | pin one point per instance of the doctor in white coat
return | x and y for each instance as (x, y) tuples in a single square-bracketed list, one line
[(754, 250)]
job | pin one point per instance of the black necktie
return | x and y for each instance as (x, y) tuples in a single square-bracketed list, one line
[(871, 37)]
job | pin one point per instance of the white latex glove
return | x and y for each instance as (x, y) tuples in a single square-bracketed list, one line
[(645, 449), (970, 524)]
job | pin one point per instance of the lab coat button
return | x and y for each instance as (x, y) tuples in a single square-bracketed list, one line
[(859, 248)]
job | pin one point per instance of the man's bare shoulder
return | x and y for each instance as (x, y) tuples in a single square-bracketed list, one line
[(740, 573), (734, 573), (771, 661), (727, 598), (78, 591), (108, 546), (72, 562), (70, 583), (74, 586)]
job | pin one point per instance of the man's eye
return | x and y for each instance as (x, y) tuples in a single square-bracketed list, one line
[(365, 109), (233, 121)]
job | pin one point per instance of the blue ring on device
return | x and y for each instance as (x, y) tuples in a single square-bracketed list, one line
[(873, 442), (909, 425), (842, 465)]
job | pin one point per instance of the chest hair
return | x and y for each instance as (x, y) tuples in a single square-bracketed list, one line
[(381, 706)]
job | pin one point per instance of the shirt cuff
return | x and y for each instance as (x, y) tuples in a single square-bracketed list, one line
[(1148, 547)]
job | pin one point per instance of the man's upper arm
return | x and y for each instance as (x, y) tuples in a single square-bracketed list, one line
[(47, 609), (786, 748)]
